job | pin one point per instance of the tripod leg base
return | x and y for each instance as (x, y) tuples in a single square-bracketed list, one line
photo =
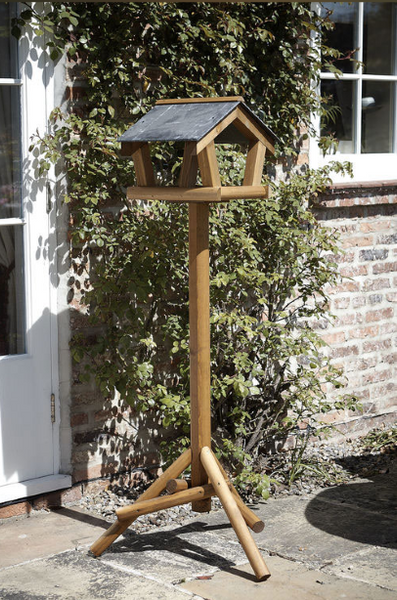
[(233, 512), (173, 471)]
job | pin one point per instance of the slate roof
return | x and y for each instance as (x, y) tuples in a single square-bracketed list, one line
[(189, 122)]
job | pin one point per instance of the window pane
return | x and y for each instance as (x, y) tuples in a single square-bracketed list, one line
[(8, 44), (378, 26), (343, 35), (377, 117), (339, 123), (10, 153), (12, 303)]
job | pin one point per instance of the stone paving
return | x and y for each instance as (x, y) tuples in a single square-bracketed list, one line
[(338, 543)]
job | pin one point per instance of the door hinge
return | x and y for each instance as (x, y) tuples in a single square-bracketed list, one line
[(52, 408)]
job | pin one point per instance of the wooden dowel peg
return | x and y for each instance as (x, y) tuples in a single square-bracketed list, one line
[(154, 504), (174, 470), (233, 512), (176, 485)]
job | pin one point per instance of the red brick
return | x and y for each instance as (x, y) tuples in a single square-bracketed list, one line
[(391, 359), (388, 327), (106, 413), (15, 510), (334, 338), (376, 284), (359, 301), (376, 346), (348, 286), (354, 271), (363, 332), (339, 303), (344, 351), (390, 403), (346, 257), (388, 267), (379, 315), (349, 319), (92, 472), (347, 202), (361, 364), (347, 228), (365, 240), (375, 226), (377, 376), (78, 419), (58, 498), (383, 390)]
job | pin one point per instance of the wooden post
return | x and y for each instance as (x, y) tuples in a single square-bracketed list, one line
[(233, 512), (199, 317)]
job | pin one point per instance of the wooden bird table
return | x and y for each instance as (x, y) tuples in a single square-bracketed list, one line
[(206, 121)]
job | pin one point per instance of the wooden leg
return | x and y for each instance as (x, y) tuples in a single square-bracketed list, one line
[(233, 512), (177, 467), (152, 505), (252, 520)]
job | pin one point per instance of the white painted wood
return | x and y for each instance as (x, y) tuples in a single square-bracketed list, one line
[(33, 487), (29, 441), (366, 167)]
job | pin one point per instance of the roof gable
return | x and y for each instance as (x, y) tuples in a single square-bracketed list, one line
[(191, 120)]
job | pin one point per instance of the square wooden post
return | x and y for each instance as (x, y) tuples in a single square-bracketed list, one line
[(199, 318)]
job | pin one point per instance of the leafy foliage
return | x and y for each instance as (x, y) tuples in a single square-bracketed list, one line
[(269, 260)]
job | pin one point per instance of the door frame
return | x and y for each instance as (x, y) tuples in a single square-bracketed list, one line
[(38, 90)]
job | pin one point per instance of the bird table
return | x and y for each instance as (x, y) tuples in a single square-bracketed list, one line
[(199, 123)]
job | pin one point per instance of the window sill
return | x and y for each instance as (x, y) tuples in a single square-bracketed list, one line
[(361, 193)]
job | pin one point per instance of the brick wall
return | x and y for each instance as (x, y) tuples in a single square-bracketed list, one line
[(363, 337)]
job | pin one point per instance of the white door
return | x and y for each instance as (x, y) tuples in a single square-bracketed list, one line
[(29, 423)]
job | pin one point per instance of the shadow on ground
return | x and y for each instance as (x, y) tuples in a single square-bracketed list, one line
[(365, 511)]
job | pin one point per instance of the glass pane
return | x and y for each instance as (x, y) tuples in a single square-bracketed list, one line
[(10, 153), (378, 26), (12, 303), (8, 44), (343, 36), (339, 122), (377, 117)]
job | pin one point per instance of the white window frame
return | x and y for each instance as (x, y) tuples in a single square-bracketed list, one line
[(380, 167)]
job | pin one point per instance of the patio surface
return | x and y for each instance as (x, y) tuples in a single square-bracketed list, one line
[(338, 543)]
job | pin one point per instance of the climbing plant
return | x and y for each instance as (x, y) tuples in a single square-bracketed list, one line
[(271, 261)]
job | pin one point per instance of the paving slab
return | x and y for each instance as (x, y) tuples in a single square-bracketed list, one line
[(43, 534), (178, 553), (75, 576), (371, 565), (289, 580)]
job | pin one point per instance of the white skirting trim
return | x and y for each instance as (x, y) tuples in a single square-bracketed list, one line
[(33, 487)]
